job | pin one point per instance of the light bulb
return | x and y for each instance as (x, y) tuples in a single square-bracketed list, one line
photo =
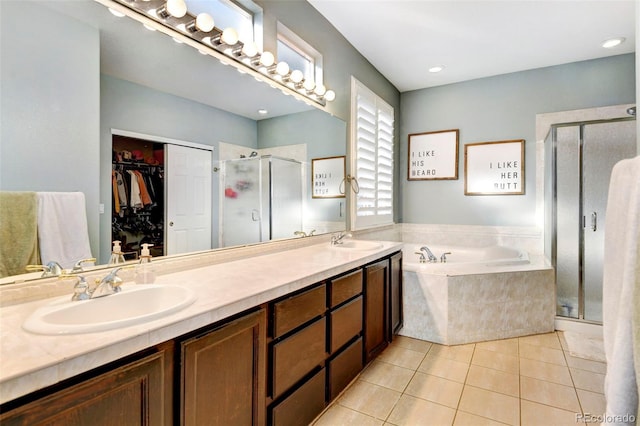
[(204, 22), (116, 13), (308, 85), (330, 95), (177, 8), (267, 59), (250, 49), (229, 37), (320, 90), (296, 76), (282, 68)]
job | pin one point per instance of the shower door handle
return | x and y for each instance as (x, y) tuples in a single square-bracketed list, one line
[(255, 215), (594, 221)]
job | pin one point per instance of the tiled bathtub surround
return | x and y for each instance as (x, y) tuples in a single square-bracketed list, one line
[(456, 309)]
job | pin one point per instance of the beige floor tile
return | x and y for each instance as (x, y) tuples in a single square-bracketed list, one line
[(495, 360), (586, 364), (586, 380), (367, 398), (493, 405), (413, 411), (494, 380), (506, 346), (435, 389), (461, 353), (401, 357), (542, 353), (413, 344), (467, 419), (591, 402), (548, 393), (445, 368), (534, 414), (545, 371), (549, 340), (387, 375), (563, 341), (337, 415)]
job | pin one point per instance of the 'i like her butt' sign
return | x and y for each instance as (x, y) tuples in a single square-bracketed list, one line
[(433, 155), (494, 168)]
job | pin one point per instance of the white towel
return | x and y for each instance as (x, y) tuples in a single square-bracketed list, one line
[(63, 233), (619, 281)]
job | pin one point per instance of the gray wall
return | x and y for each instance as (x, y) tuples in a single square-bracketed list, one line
[(49, 133), (128, 106), (500, 108), (324, 135)]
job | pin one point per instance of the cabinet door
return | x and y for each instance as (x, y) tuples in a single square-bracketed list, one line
[(138, 393), (375, 314), (395, 294), (223, 374)]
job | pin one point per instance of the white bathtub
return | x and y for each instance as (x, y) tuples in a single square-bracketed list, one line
[(478, 294)]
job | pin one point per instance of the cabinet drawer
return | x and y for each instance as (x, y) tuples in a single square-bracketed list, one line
[(302, 406), (298, 354), (344, 367), (296, 310), (345, 287), (346, 323)]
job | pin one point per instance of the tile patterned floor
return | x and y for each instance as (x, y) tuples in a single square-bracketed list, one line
[(529, 380)]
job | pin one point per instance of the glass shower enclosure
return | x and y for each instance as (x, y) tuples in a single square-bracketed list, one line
[(261, 199), (582, 156)]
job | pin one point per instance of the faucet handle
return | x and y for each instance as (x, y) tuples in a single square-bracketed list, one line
[(78, 265), (443, 258), (51, 269), (422, 259), (81, 290)]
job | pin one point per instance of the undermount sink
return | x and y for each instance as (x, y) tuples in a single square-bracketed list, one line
[(133, 305), (358, 245)]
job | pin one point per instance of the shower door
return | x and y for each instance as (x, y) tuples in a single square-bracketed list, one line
[(585, 154)]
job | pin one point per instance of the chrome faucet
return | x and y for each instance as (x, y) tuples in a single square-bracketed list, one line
[(443, 258), (337, 238), (81, 290), (110, 284), (430, 256), (78, 265), (51, 269)]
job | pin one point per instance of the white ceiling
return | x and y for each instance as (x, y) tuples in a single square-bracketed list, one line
[(477, 38)]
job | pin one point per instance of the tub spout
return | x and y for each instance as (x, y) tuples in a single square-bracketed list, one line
[(430, 255)]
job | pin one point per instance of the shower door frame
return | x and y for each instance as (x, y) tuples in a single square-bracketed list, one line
[(581, 217)]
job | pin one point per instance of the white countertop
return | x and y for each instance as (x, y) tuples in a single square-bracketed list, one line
[(29, 361)]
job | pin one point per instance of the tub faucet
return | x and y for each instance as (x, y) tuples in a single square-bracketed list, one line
[(432, 258)]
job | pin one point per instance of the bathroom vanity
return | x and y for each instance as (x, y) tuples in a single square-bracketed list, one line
[(276, 351)]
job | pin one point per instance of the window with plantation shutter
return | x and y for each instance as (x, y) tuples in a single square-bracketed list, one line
[(371, 158)]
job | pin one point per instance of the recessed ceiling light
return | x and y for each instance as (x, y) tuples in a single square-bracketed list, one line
[(613, 42), (436, 68), (263, 112)]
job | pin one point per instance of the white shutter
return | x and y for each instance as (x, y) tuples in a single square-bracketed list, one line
[(372, 158)]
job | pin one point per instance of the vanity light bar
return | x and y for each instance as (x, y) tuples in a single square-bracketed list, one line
[(172, 18)]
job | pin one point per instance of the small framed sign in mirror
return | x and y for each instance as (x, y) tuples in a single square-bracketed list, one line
[(327, 175)]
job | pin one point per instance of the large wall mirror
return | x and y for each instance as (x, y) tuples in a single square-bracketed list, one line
[(76, 77)]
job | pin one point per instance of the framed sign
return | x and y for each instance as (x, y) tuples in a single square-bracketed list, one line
[(327, 174), (494, 168), (433, 155)]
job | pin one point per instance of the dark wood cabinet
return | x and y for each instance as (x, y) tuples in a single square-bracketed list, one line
[(223, 374), (280, 363), (395, 294), (376, 287), (136, 393)]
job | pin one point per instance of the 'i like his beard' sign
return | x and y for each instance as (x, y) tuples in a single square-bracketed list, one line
[(433, 155), (494, 168)]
